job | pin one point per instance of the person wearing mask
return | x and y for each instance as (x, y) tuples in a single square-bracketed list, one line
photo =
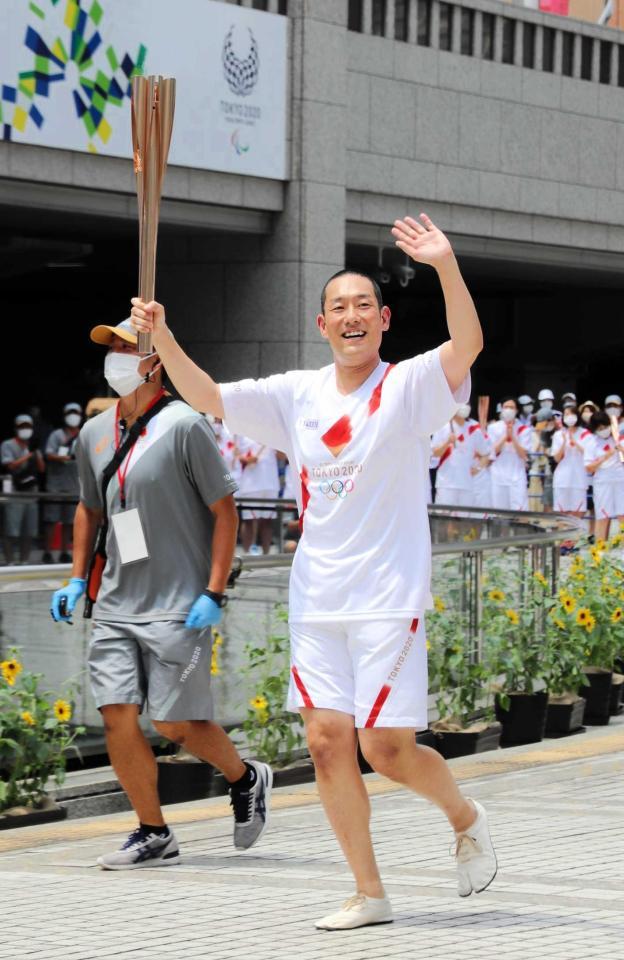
[(259, 479), (169, 521), (457, 444), (25, 466), (613, 406), (546, 399), (586, 412), (511, 442), (527, 406), (602, 459), (570, 476), (568, 399), (62, 477), (540, 471)]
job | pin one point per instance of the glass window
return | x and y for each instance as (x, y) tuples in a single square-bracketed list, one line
[(606, 49), (282, 7), (446, 26), (567, 54), (528, 45), (401, 19), (487, 36), (548, 49), (354, 21), (423, 34), (467, 31), (379, 18), (587, 57), (509, 39)]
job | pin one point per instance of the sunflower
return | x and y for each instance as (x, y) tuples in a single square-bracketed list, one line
[(62, 711), (217, 639), (583, 616), (616, 540), (602, 545), (618, 572), (568, 603), (616, 616), (11, 669), (259, 702), (28, 718), (439, 604), (513, 616), (214, 668), (428, 645), (539, 576), (496, 596), (558, 622), (590, 624), (578, 575)]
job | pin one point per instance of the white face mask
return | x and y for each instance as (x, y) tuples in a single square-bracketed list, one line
[(570, 419), (73, 419), (527, 408), (603, 433), (464, 411), (25, 433), (121, 371), (508, 415), (613, 411), (547, 403), (586, 416)]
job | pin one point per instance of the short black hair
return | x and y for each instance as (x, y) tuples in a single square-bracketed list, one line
[(599, 419), (507, 399), (358, 273)]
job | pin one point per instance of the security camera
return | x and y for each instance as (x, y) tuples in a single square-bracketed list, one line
[(405, 273)]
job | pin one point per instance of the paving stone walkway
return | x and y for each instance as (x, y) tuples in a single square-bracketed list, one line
[(556, 815)]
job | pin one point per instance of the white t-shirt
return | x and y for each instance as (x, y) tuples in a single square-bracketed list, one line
[(612, 470), (570, 471), (508, 468), (362, 461), (261, 477), (456, 462)]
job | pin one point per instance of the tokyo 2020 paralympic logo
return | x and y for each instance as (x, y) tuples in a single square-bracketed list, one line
[(241, 74), (336, 489)]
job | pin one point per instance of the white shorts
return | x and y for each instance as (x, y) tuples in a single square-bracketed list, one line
[(608, 500), (256, 513), (509, 498), (482, 489), (374, 670), (454, 496), (569, 499)]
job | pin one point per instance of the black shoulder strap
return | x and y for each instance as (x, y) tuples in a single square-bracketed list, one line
[(133, 435)]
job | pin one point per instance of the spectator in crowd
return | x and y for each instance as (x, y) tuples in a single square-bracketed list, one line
[(511, 442), (62, 477), (457, 444), (291, 524), (586, 411), (568, 399), (540, 472), (259, 479), (41, 428), (227, 446), (613, 406), (25, 466), (546, 398), (570, 476), (602, 459), (527, 406)]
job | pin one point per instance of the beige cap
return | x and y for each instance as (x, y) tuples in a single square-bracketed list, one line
[(104, 334)]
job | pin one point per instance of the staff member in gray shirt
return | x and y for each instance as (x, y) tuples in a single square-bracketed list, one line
[(169, 547), (62, 477), (25, 466)]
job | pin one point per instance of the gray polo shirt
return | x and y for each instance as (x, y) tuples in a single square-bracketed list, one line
[(61, 477), (174, 474)]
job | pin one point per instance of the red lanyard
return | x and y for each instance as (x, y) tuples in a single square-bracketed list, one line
[(121, 475)]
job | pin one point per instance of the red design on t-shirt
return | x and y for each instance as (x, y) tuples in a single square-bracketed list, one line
[(304, 477), (522, 429), (338, 436), (461, 438), (375, 400), (445, 456), (472, 428)]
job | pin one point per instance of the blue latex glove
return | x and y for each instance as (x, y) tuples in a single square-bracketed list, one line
[(204, 613), (72, 594)]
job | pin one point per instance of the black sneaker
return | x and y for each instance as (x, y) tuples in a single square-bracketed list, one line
[(142, 850), (65, 558), (251, 807), (47, 557)]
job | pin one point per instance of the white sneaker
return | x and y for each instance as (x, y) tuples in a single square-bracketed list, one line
[(358, 911), (476, 860), (140, 850)]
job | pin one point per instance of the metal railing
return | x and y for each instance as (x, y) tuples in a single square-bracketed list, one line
[(499, 32)]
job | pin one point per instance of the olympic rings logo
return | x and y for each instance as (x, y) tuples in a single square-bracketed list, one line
[(336, 489)]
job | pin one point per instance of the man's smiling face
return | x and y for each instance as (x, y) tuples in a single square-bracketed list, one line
[(352, 320)]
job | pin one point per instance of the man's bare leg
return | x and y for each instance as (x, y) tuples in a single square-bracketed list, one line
[(208, 741), (332, 743), (394, 753), (133, 761)]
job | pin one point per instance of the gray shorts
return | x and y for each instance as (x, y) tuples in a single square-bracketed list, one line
[(162, 663), (59, 513), (21, 518)]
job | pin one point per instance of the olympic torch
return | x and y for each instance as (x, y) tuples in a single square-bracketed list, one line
[(153, 105)]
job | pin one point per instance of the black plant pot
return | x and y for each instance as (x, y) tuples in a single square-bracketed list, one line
[(179, 781), (464, 743), (615, 697), (48, 812), (598, 696), (525, 720), (562, 718)]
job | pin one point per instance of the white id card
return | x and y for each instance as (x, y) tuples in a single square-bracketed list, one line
[(63, 451), (129, 535)]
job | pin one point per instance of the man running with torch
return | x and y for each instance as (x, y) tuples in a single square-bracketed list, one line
[(358, 432)]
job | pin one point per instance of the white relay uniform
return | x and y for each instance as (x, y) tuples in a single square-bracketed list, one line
[(508, 471), (361, 574), (482, 481), (454, 483), (227, 448), (259, 479), (608, 478), (570, 476)]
